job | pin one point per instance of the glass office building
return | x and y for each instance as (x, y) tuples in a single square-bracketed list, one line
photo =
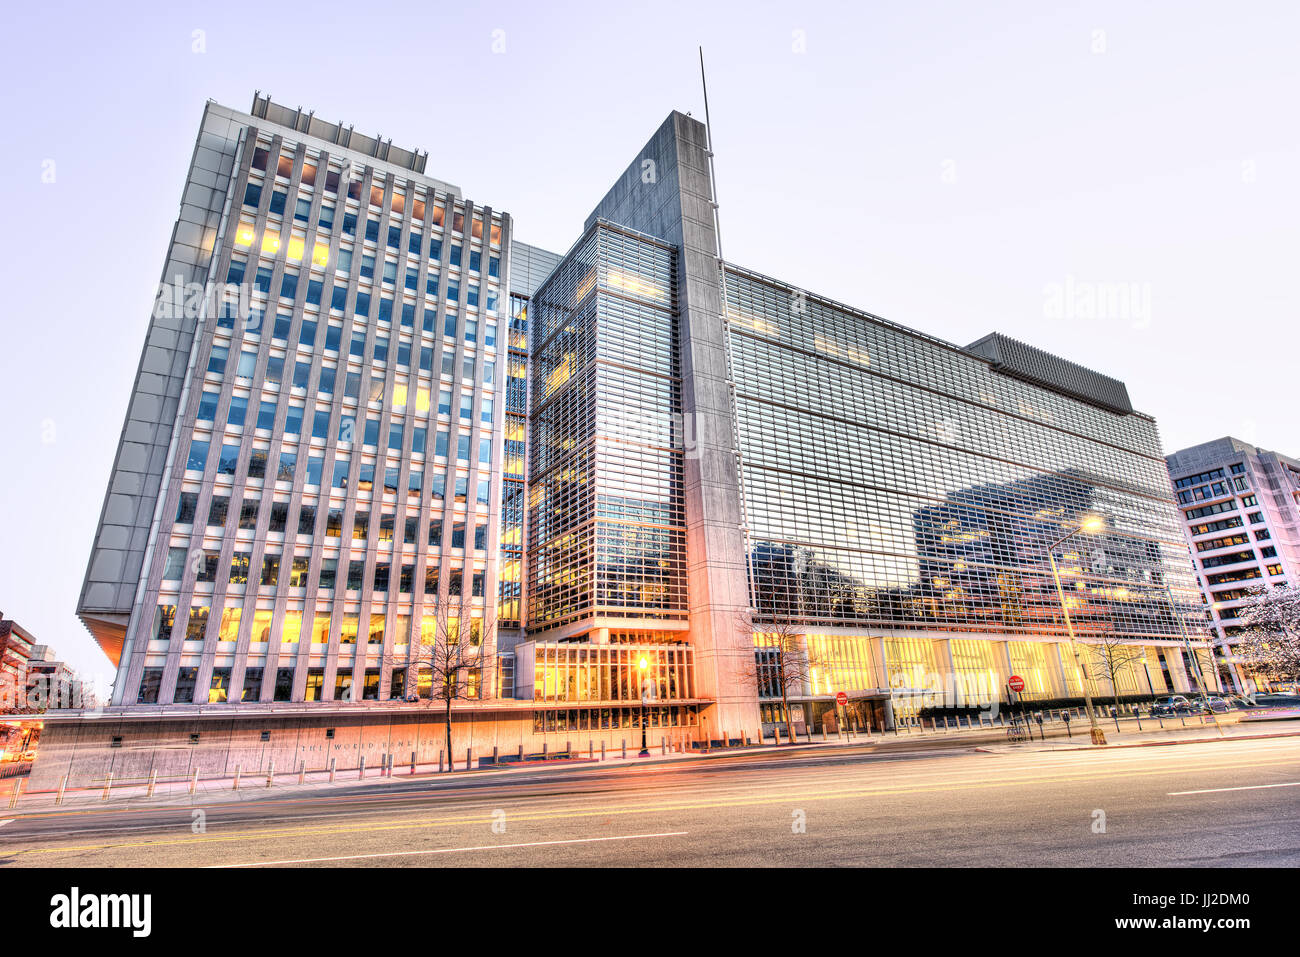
[(902, 493), (622, 470), (606, 512)]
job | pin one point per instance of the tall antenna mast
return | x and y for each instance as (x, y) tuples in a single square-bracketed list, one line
[(713, 176)]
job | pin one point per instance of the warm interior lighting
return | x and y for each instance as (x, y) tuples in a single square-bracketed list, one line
[(634, 284)]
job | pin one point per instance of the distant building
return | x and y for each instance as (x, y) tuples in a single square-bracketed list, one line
[(32, 679), (1240, 507), (16, 646)]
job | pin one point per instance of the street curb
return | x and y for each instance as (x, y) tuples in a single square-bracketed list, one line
[(1163, 744), (1143, 744)]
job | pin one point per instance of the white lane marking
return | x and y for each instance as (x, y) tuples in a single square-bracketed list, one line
[(1249, 787), (455, 850), (7, 820)]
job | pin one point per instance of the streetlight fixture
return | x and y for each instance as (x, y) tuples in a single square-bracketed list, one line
[(1090, 524), (642, 665)]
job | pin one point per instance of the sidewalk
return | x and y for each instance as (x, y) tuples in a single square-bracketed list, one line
[(1150, 736), (253, 787)]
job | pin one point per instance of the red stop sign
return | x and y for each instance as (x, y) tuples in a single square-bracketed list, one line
[(841, 698), (1016, 684)]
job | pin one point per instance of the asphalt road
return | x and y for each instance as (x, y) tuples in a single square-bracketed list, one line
[(1215, 804)]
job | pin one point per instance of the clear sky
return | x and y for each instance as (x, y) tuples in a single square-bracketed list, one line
[(1115, 182)]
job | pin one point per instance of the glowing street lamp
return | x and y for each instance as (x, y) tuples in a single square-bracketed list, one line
[(1090, 524), (642, 665)]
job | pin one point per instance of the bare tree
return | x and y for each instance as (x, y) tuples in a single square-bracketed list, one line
[(460, 660), (782, 662), (1111, 657), (1268, 645)]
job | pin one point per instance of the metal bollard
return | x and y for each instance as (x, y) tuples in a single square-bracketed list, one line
[(194, 781), (236, 785), (361, 767), (153, 781), (591, 749), (63, 783), (412, 762), (302, 772), (108, 786), (625, 748), (440, 760), (663, 745), (602, 750), (333, 768), (270, 774), (520, 755), (469, 759)]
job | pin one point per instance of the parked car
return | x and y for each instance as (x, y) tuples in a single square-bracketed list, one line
[(1217, 704), (1170, 705)]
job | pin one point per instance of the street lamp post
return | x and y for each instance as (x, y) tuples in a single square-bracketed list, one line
[(1089, 525), (643, 664)]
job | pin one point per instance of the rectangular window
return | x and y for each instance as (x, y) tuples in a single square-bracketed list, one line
[(208, 406), (283, 684), (229, 460), (270, 569), (328, 573), (217, 514), (198, 457), (257, 464)]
